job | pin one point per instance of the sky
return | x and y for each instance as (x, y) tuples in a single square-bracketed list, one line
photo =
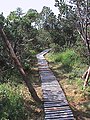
[(10, 5)]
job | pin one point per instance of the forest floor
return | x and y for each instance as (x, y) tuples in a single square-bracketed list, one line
[(79, 99)]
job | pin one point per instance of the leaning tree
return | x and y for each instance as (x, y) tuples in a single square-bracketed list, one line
[(5, 26)]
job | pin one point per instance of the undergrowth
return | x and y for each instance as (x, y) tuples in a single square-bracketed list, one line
[(11, 103), (68, 68), (68, 57), (16, 102)]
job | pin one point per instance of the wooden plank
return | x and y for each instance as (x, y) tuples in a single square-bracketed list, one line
[(63, 115), (59, 118), (58, 111), (61, 108)]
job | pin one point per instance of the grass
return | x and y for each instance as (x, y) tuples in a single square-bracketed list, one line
[(72, 84)]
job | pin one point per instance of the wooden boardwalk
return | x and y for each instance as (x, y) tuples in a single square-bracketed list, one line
[(55, 104)]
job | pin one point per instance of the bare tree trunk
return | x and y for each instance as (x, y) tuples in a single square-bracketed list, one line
[(19, 66), (87, 40), (84, 33), (86, 76)]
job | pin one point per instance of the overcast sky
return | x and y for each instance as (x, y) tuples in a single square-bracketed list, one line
[(10, 5)]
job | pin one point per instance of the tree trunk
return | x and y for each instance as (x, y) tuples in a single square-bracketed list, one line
[(83, 28), (87, 40), (86, 76), (19, 66), (83, 24)]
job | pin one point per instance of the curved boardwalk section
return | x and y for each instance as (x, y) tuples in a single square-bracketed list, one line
[(55, 104)]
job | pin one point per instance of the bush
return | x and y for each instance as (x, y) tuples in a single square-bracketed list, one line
[(69, 58), (58, 57), (55, 47), (11, 103)]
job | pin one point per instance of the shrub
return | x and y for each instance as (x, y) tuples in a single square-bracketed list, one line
[(67, 58), (55, 47), (11, 103), (58, 57)]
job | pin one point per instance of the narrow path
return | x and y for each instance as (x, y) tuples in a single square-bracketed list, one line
[(55, 104)]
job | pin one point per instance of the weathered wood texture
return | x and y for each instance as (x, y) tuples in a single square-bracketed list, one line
[(55, 104)]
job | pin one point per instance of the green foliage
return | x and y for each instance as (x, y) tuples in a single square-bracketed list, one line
[(51, 57), (11, 103), (22, 36), (68, 57), (2, 20), (33, 52), (43, 39), (26, 65), (81, 50), (55, 47)]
